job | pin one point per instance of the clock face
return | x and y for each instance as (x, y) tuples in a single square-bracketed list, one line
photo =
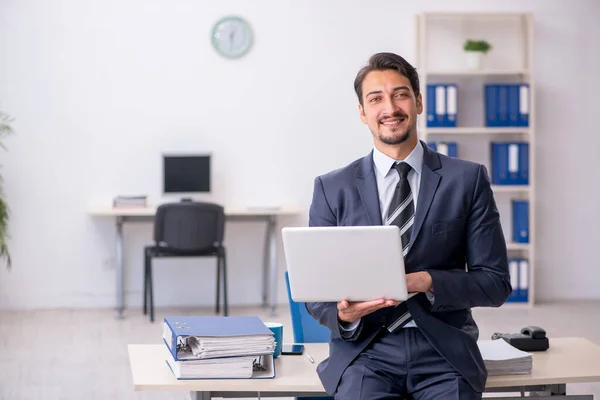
[(232, 37)]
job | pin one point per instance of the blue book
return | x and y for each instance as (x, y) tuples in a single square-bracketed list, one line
[(177, 330), (520, 223)]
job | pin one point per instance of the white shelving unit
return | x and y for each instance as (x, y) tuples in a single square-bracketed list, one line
[(441, 59)]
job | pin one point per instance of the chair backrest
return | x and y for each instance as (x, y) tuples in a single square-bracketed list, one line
[(306, 328), (189, 226)]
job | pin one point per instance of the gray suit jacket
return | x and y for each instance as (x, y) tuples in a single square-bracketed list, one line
[(456, 222)]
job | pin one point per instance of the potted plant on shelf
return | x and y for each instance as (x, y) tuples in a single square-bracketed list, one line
[(475, 49), (5, 130)]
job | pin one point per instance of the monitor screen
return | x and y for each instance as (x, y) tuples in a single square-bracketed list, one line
[(186, 173)]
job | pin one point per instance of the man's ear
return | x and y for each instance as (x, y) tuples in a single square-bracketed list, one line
[(419, 104), (361, 111)]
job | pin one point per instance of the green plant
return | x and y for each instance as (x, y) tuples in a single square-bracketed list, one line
[(5, 130), (477, 45)]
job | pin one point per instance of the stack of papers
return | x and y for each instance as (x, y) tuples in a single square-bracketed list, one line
[(235, 367), (501, 358), (219, 347), (212, 347)]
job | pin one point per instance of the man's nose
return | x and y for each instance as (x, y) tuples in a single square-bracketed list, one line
[(390, 107)]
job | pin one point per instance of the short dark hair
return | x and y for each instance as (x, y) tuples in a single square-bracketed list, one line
[(383, 61)]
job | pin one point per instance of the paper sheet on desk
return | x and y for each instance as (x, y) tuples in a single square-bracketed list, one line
[(501, 358)]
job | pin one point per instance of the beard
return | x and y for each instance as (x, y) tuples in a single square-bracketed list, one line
[(397, 135), (395, 138)]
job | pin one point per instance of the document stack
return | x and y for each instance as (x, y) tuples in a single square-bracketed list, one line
[(501, 358), (130, 201), (219, 347)]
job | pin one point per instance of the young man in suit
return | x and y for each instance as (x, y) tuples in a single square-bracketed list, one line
[(426, 347)]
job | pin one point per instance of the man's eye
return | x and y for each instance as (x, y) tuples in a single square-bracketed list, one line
[(402, 95), (374, 99)]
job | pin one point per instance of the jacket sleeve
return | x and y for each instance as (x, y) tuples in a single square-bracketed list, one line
[(321, 214), (486, 282)]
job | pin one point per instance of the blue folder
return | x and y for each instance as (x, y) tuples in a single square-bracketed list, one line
[(177, 328), (520, 224), (510, 163), (518, 269), (447, 148)]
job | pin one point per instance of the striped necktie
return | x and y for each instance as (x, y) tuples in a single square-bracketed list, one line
[(401, 212)]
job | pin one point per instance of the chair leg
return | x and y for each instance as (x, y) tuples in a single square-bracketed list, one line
[(146, 261), (217, 307), (150, 290), (224, 268)]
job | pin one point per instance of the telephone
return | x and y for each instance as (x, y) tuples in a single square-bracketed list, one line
[(531, 338)]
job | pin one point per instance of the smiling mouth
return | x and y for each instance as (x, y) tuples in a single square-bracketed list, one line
[(392, 122)]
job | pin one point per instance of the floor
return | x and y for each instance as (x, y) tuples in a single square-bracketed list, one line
[(82, 354)]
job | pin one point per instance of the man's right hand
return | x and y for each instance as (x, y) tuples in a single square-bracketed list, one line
[(350, 312)]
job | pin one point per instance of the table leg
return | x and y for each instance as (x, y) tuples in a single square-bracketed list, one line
[(200, 395), (271, 225), (120, 270)]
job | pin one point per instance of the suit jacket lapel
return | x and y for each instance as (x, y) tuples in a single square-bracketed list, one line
[(367, 187), (429, 184)]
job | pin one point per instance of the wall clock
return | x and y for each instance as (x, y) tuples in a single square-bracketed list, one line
[(231, 37)]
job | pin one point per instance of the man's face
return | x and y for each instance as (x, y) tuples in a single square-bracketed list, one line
[(390, 107)]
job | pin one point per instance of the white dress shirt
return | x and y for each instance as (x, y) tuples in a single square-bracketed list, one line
[(387, 179)]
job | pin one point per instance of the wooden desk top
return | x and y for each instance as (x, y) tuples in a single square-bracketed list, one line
[(569, 360), (149, 211)]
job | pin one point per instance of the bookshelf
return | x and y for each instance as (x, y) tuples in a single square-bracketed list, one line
[(442, 60)]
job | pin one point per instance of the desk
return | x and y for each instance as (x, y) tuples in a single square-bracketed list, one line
[(268, 215), (569, 360)]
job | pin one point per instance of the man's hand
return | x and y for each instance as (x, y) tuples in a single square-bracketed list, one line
[(350, 312), (418, 282)]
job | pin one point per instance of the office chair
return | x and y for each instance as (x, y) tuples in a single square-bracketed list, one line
[(187, 229), (306, 329)]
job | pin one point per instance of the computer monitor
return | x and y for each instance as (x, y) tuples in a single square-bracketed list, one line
[(186, 173)]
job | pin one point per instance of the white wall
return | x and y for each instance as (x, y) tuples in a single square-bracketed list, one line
[(100, 89)]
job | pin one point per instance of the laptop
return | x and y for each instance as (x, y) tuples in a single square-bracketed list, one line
[(354, 263)]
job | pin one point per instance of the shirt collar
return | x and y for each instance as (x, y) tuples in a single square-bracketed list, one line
[(384, 163)]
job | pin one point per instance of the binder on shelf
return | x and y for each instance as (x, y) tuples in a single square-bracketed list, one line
[(513, 105), (491, 105), (510, 163), (249, 333), (502, 105), (520, 223), (518, 269), (506, 104), (523, 105), (431, 119), (513, 270), (449, 149), (451, 105), (523, 280), (442, 105)]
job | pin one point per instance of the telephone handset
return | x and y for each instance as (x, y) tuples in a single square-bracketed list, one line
[(531, 338)]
